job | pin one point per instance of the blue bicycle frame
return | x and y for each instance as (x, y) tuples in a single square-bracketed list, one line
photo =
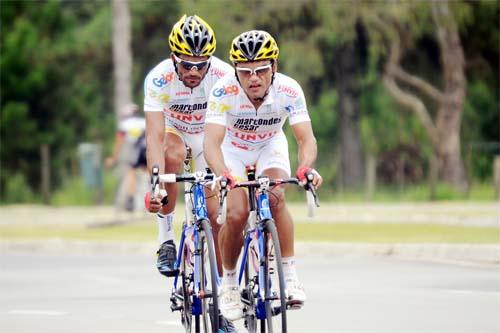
[(264, 212), (200, 213)]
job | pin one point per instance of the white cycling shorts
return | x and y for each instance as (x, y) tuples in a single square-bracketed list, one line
[(273, 154), (195, 142)]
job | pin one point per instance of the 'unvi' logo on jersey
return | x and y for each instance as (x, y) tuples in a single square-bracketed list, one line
[(229, 90), (288, 91), (217, 72), (164, 79)]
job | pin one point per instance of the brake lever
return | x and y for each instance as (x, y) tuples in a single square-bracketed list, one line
[(155, 185), (155, 179), (310, 187), (221, 216)]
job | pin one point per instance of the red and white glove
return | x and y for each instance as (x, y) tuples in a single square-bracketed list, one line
[(231, 181), (153, 205), (303, 174)]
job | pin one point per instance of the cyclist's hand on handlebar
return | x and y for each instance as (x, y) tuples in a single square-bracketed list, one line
[(154, 203), (229, 179), (306, 175), (223, 183)]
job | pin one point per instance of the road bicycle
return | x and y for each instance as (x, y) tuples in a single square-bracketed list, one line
[(261, 272), (194, 291)]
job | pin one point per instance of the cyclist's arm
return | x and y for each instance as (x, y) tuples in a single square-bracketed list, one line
[(214, 135), (306, 143), (117, 147), (155, 133)]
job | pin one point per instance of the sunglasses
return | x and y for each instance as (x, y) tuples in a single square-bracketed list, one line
[(189, 65), (259, 71)]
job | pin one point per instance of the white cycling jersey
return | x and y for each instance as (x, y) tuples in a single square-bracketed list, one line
[(184, 108), (255, 137), (250, 129), (132, 128)]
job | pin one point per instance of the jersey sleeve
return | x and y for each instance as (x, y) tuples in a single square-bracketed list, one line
[(218, 70), (154, 97), (122, 127), (217, 106), (297, 109)]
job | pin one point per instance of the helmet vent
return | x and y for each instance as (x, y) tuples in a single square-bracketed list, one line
[(245, 50)]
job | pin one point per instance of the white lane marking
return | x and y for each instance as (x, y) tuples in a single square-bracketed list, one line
[(169, 322), (472, 292), (112, 316), (37, 312), (106, 279)]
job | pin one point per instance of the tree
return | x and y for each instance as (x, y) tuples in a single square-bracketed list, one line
[(122, 55), (444, 129), (348, 71)]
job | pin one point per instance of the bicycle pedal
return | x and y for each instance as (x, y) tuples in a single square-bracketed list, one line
[(294, 305), (175, 307), (172, 273)]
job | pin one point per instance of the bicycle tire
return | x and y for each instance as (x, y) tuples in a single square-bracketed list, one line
[(275, 311), (187, 303), (209, 287), (248, 297)]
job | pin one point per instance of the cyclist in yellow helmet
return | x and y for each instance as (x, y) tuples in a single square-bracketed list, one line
[(243, 127), (175, 102)]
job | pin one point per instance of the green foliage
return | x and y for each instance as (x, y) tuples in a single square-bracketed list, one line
[(481, 113), (57, 84), (151, 25), (74, 192), (17, 190), (384, 125), (56, 79)]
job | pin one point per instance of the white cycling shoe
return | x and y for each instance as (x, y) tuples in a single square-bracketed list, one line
[(230, 304), (296, 295)]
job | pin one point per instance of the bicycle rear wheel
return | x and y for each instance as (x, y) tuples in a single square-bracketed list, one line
[(208, 280), (274, 282)]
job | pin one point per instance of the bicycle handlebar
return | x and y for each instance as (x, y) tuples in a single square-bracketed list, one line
[(264, 183), (157, 178), (175, 178), (260, 182)]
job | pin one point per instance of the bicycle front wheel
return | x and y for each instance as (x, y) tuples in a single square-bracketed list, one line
[(184, 292), (208, 280), (274, 282)]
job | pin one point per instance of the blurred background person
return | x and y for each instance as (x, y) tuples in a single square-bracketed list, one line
[(129, 155)]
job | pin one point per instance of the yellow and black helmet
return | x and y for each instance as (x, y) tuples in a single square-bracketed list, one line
[(192, 36), (253, 45)]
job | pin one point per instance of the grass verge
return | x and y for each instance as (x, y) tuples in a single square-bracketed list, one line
[(326, 232)]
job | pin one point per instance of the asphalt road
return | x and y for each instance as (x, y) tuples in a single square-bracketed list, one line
[(123, 293)]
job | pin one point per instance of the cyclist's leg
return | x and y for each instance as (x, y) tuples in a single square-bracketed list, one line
[(231, 241), (141, 176), (175, 152), (130, 184), (199, 164), (231, 233), (213, 211), (131, 178), (274, 162)]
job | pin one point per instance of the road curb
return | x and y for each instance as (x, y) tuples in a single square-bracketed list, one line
[(478, 253)]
